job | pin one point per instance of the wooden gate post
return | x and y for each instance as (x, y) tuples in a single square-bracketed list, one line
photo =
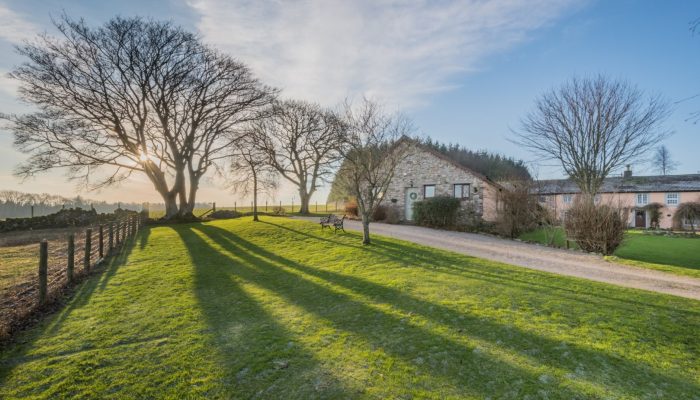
[(43, 270), (88, 249), (101, 247), (71, 258)]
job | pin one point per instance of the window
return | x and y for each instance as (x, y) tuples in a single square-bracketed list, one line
[(567, 198), (642, 199), (543, 199), (428, 191), (462, 190), (597, 198), (672, 199)]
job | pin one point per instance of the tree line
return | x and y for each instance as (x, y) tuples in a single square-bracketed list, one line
[(15, 204), (139, 96), (496, 166)]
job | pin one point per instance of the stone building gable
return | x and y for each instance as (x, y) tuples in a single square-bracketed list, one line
[(423, 167)]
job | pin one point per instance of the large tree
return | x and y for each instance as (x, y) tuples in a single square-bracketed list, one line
[(251, 173), (662, 161), (593, 126), (371, 152), (302, 141), (133, 95)]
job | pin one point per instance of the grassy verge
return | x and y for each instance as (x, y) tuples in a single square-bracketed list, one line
[(669, 254), (280, 309), (556, 237)]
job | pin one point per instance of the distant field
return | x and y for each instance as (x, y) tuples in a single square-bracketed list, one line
[(313, 208)]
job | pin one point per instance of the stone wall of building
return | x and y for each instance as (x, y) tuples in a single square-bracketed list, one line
[(422, 167)]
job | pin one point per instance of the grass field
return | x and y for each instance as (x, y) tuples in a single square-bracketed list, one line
[(669, 254), (280, 309)]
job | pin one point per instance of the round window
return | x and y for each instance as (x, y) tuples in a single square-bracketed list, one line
[(413, 195)]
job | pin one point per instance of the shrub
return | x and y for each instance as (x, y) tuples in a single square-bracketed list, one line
[(518, 211), (224, 214), (654, 210), (393, 215), (277, 210), (689, 212), (379, 213), (351, 209), (595, 228), (438, 212)]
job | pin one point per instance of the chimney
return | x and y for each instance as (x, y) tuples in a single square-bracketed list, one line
[(628, 172)]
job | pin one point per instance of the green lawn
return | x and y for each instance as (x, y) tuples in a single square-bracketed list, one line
[(280, 309), (555, 236), (669, 254)]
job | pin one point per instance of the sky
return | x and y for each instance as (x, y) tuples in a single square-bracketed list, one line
[(465, 72)]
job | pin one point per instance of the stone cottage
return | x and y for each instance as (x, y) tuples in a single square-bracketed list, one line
[(425, 173)]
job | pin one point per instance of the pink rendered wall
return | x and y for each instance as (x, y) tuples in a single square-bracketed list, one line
[(628, 200)]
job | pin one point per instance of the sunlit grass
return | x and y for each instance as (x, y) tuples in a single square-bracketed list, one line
[(281, 309)]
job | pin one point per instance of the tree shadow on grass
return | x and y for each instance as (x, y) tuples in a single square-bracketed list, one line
[(417, 255), (611, 372), (259, 357), (82, 293)]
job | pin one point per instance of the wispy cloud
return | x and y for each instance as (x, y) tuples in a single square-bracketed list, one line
[(14, 27), (393, 50)]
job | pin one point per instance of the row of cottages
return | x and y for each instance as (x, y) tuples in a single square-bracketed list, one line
[(424, 173), (633, 193)]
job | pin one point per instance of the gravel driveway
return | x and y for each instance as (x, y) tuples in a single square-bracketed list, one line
[(558, 261)]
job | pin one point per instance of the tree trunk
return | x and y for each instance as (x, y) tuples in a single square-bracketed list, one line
[(255, 197), (365, 228), (187, 208), (170, 200), (304, 199)]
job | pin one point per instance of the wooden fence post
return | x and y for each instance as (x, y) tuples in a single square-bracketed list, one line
[(265, 205), (124, 226), (102, 242), (317, 206), (117, 229), (43, 270), (213, 207), (88, 249), (32, 211), (71, 258)]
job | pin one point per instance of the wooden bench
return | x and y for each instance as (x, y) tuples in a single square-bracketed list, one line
[(334, 221)]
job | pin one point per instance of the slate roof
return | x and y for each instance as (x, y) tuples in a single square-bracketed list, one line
[(634, 184)]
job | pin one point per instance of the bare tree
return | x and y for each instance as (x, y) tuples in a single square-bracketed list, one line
[(593, 126), (662, 161), (371, 152), (302, 142), (131, 96), (251, 172)]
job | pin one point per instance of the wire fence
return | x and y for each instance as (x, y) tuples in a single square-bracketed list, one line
[(263, 207), (36, 275)]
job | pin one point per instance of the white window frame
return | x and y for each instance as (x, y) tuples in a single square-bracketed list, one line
[(464, 187), (567, 198), (425, 191), (676, 199), (638, 196)]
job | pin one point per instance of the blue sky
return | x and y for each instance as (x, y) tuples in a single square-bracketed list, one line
[(464, 71)]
